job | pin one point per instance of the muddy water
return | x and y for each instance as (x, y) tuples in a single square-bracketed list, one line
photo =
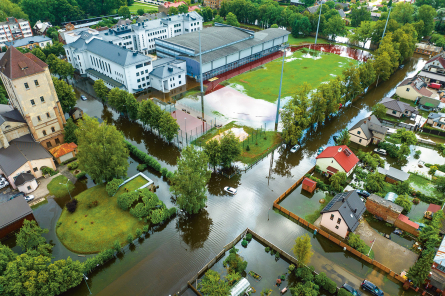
[(174, 252)]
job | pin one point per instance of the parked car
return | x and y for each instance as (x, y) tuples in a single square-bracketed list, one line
[(401, 66), (371, 288), (295, 148), (380, 151), (335, 138), (363, 193), (230, 190), (3, 184), (434, 85), (350, 289), (83, 98), (28, 198)]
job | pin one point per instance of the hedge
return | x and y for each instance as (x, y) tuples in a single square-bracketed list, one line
[(99, 259), (81, 175), (73, 165), (69, 160), (427, 199), (113, 186), (320, 184)]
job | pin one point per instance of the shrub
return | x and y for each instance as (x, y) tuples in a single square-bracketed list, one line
[(74, 165), (117, 246), (130, 238), (244, 243), (58, 224), (416, 201), (249, 237), (357, 243), (138, 232), (405, 202), (247, 148), (277, 254), (322, 280), (169, 175), (291, 267), (99, 259), (69, 160), (267, 249), (164, 171), (127, 199), (141, 167), (145, 228), (283, 277), (305, 273), (81, 175), (71, 206), (113, 186), (343, 292), (48, 171)]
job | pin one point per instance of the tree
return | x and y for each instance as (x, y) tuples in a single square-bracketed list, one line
[(172, 11), (374, 182), (39, 53), (357, 243), (124, 11), (64, 69), (334, 27), (183, 8), (212, 285), (117, 98), (406, 137), (102, 152), (301, 25), (308, 3), (403, 152), (427, 15), (337, 180), (100, 89), (189, 183), (218, 19), (359, 14), (140, 11), (302, 249), (379, 110), (306, 289), (70, 131), (405, 202), (66, 95), (419, 272), (132, 106), (213, 151), (344, 137), (30, 235), (232, 20), (383, 66), (235, 261), (403, 13), (403, 188), (229, 148), (363, 33), (440, 184), (6, 256), (169, 127), (274, 26)]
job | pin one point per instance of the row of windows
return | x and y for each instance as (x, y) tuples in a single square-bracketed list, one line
[(33, 102), (143, 79), (100, 64), (143, 85), (177, 25), (178, 30), (141, 73), (173, 78), (36, 82), (52, 130), (338, 220), (157, 32), (47, 116), (194, 24)]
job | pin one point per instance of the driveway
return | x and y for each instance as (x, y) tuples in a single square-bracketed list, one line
[(387, 252)]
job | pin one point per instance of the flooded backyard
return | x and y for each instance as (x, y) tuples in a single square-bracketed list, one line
[(175, 251)]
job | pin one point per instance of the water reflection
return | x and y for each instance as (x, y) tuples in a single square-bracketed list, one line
[(194, 229)]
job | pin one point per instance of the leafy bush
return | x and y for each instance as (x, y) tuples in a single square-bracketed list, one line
[(323, 281), (267, 249), (357, 243), (81, 175), (244, 243), (141, 167), (164, 172), (426, 198), (343, 292), (249, 237), (405, 202), (305, 273), (48, 171), (138, 232), (74, 165), (277, 254), (416, 201), (127, 199), (169, 175), (71, 206), (283, 277), (117, 246), (69, 160), (145, 228), (130, 238), (235, 261), (113, 186), (291, 267)]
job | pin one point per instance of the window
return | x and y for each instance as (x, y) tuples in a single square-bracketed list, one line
[(142, 72), (146, 71), (42, 99), (33, 103), (38, 118), (48, 144), (359, 132), (139, 86), (394, 112), (138, 66), (53, 129), (48, 115), (44, 133), (407, 89), (139, 80), (338, 221), (36, 82), (179, 76), (137, 74), (57, 141), (336, 226), (332, 216), (35, 169), (439, 125), (360, 140), (26, 85), (29, 187)]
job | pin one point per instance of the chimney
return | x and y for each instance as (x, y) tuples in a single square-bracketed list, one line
[(364, 121), (355, 211), (343, 199), (369, 117)]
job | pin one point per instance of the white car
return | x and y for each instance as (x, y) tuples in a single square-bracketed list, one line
[(295, 148), (3, 184), (2, 179), (380, 151), (83, 98), (28, 198), (230, 190)]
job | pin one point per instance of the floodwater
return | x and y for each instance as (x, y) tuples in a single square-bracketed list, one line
[(175, 251)]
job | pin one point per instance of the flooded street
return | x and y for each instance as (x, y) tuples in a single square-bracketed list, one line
[(175, 251)]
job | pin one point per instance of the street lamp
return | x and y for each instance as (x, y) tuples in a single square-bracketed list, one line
[(67, 188), (283, 47), (85, 278)]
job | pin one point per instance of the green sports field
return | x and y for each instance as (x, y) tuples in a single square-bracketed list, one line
[(314, 68)]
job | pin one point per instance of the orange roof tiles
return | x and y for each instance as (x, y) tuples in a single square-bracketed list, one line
[(63, 149)]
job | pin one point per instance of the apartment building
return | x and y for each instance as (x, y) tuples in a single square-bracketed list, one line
[(14, 29)]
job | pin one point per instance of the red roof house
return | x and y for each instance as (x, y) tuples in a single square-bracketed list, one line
[(337, 159), (64, 152)]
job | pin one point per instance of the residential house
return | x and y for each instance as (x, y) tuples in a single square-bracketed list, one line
[(375, 16), (13, 29), (383, 208), (312, 9), (436, 120), (41, 27), (393, 175), (215, 4), (30, 42), (165, 7), (12, 215), (398, 108), (435, 64), (31, 92), (342, 214), (413, 88), (432, 77), (76, 113), (428, 49), (368, 130), (64, 152), (428, 104), (337, 159)]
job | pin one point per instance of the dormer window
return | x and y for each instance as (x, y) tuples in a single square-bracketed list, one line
[(8, 126)]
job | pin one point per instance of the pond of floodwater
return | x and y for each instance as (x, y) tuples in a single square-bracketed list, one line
[(417, 211), (174, 252)]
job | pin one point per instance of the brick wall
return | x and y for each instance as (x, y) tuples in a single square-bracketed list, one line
[(381, 211), (405, 227)]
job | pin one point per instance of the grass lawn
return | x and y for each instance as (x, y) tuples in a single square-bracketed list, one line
[(57, 189), (263, 82), (110, 222), (246, 157), (298, 41), (392, 118), (314, 216), (146, 7)]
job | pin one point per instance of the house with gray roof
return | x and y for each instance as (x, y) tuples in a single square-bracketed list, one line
[(393, 175), (31, 42), (168, 74), (342, 214), (368, 130), (398, 108), (312, 9), (223, 48), (12, 215), (436, 120)]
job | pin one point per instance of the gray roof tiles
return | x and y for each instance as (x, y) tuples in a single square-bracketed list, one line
[(13, 210), (394, 173), (165, 71), (397, 105), (7, 113), (23, 178), (370, 124), (28, 40)]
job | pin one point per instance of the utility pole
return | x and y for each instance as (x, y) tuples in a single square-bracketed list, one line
[(318, 24), (200, 75), (389, 12), (281, 84)]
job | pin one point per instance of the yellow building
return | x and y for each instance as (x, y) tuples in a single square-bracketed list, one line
[(31, 92)]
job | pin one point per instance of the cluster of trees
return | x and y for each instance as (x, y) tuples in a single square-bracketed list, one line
[(370, 159), (146, 111), (235, 262), (223, 152), (32, 272), (405, 202), (180, 9), (212, 284), (58, 11)]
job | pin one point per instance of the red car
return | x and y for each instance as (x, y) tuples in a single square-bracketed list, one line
[(434, 85)]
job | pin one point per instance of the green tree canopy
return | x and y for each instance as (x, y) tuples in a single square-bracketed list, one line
[(303, 249), (334, 27), (189, 183), (405, 202), (229, 149), (338, 180), (70, 131), (379, 110), (213, 151), (124, 11), (66, 95), (427, 14), (374, 182), (100, 89), (212, 284), (30, 235), (102, 152), (140, 11), (168, 126), (232, 20), (359, 14)]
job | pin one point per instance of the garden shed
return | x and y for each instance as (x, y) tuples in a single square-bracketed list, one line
[(240, 288), (393, 175), (309, 185)]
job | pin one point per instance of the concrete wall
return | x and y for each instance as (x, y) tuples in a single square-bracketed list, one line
[(332, 225), (381, 211)]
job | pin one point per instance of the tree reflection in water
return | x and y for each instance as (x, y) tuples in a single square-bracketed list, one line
[(194, 229)]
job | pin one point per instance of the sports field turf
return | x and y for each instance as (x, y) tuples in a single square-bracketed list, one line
[(146, 7), (263, 82)]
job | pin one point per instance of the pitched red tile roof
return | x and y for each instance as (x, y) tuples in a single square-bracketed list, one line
[(345, 161), (438, 58), (309, 182), (406, 220), (433, 208), (15, 64), (36, 60), (63, 149)]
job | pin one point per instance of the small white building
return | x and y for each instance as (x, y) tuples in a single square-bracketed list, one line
[(337, 159), (26, 183), (167, 74)]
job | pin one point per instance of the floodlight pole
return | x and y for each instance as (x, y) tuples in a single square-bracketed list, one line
[(279, 92), (387, 19), (67, 188), (85, 278), (318, 24), (200, 75)]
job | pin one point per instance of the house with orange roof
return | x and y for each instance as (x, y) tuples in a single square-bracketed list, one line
[(64, 152)]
